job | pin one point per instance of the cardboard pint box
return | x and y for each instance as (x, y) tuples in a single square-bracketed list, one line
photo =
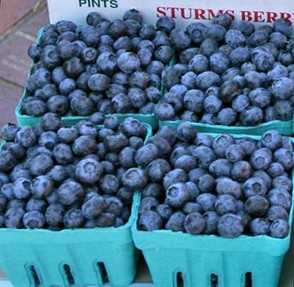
[(183, 11)]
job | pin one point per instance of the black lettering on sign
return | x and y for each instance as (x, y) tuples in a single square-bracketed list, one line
[(98, 3)]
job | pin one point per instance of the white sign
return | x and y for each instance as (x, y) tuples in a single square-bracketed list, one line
[(183, 11)]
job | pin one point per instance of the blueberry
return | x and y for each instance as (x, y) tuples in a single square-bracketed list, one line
[(215, 31), (63, 154), (13, 217), (70, 192), (42, 186), (73, 218), (152, 190), (275, 169), (282, 88), (107, 64), (179, 39), (220, 167), (283, 110), (67, 86), (26, 137), (283, 26), (33, 219), (3, 202), (174, 176), (186, 132), (198, 64), (67, 134), (125, 195), (115, 142), (164, 211), (206, 201), (220, 144), (177, 152), (150, 220), (48, 139), (280, 197), (204, 156), (208, 46), (51, 122), (230, 225), (259, 226), (106, 219), (264, 176), (36, 204), (257, 205), (7, 190), (93, 206), (194, 100), (134, 179), (88, 170), (99, 82), (277, 212), (194, 223), (254, 186), (163, 145), (16, 203), (226, 185), (7, 161), (133, 127), (211, 220), (128, 62), (206, 183), (9, 131), (285, 157), (279, 228), (148, 203), (282, 182), (196, 31), (40, 164), (157, 169), (168, 133), (109, 184), (261, 158), (226, 203), (177, 195), (226, 117), (176, 221), (121, 103), (84, 145), (222, 19), (235, 38), (264, 61)]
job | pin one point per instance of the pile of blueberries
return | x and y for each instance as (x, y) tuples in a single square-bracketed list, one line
[(216, 184), (230, 73), (105, 66), (54, 176)]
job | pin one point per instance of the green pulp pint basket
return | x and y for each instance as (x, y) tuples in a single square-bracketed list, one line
[(283, 127), (79, 257), (82, 257), (180, 259), (25, 120)]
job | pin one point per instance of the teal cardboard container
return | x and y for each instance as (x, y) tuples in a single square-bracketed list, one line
[(82, 257), (180, 259), (70, 257), (25, 120), (283, 127)]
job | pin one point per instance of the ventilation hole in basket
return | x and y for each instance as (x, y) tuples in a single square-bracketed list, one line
[(248, 279), (102, 271), (35, 276), (213, 280), (68, 274), (180, 279)]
